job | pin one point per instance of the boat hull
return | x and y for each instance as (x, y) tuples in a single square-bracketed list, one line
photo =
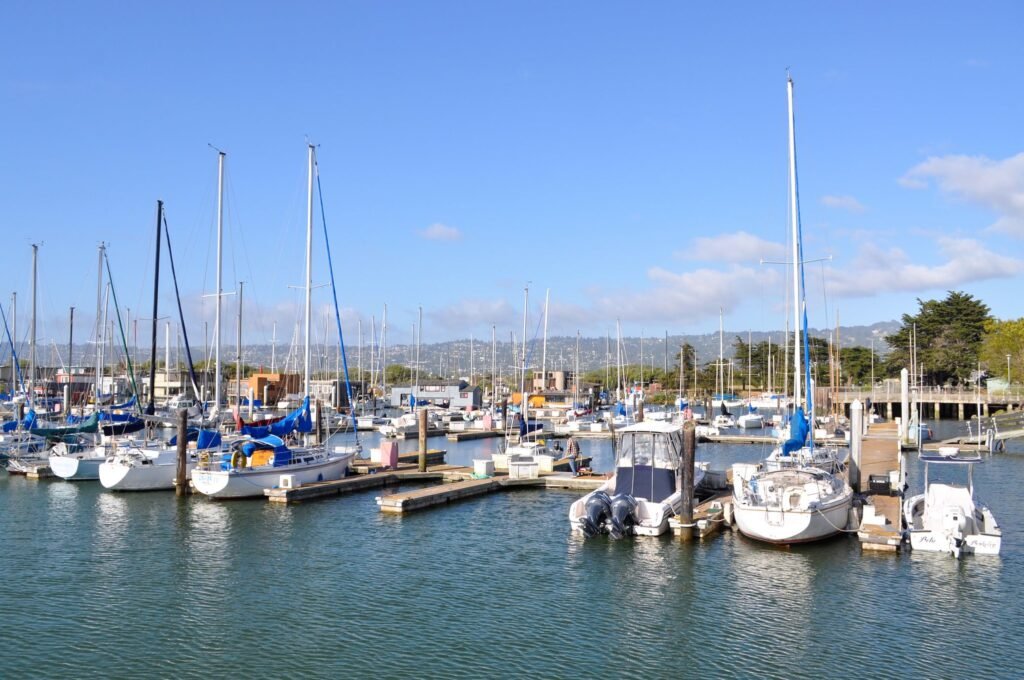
[(774, 525), (76, 469), (120, 476), (247, 483)]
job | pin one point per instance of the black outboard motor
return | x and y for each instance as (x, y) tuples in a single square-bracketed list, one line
[(622, 518), (597, 510)]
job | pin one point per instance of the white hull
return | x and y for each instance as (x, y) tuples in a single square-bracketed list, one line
[(76, 469), (157, 474), (775, 525), (247, 482), (750, 422)]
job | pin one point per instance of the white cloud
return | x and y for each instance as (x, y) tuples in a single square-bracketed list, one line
[(465, 315), (875, 270), (997, 185), (440, 232), (737, 247), (848, 203)]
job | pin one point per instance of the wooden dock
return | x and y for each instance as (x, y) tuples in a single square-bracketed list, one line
[(446, 493), (431, 432), (468, 435), (365, 466), (881, 522), (740, 439)]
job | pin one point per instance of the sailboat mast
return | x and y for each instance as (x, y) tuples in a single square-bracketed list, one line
[(384, 352), (795, 244), (309, 270), (220, 291), (150, 409), (238, 366), (544, 349), (522, 379), (32, 328), (99, 324)]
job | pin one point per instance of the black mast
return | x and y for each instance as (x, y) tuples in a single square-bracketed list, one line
[(151, 409)]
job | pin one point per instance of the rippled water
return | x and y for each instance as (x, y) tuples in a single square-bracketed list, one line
[(125, 585)]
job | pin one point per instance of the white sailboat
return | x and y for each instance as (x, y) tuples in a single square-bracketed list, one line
[(789, 499), (267, 462)]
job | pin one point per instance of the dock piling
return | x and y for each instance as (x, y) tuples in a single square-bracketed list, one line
[(180, 477), (686, 481), (422, 415)]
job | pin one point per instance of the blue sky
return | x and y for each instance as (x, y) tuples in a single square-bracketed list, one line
[(630, 157)]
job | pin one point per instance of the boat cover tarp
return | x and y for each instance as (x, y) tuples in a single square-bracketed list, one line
[(128, 404), (27, 424), (204, 439), (298, 420), (90, 424), (282, 454), (798, 430)]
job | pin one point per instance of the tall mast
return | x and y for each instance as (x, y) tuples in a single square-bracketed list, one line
[(384, 352), (471, 364), (309, 268), (14, 334), (99, 324), (544, 350), (273, 350), (150, 409), (71, 346), (167, 358), (494, 363), (238, 366), (220, 284), (526, 304), (419, 337), (795, 244), (32, 333)]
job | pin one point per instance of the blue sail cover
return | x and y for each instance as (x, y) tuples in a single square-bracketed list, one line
[(27, 424), (204, 439), (798, 430), (128, 404), (298, 420)]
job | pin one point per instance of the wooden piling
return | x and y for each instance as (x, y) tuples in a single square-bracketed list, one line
[(640, 412), (319, 423), (686, 481), (181, 476), (422, 415)]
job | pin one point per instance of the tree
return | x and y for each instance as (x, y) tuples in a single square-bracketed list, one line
[(949, 333), (396, 373), (1004, 339), (856, 365)]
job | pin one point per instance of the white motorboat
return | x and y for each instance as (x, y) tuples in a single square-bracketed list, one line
[(258, 464), (947, 517), (789, 505), (723, 420), (645, 490)]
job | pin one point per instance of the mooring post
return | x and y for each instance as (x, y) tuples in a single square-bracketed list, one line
[(422, 415), (856, 433), (21, 411), (180, 477), (319, 424), (640, 412), (686, 477)]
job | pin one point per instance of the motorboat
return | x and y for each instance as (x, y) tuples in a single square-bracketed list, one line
[(948, 517), (645, 490)]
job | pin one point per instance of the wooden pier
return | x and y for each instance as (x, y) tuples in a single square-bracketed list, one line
[(881, 518), (468, 435), (446, 493)]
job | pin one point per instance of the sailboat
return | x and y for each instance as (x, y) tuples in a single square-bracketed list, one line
[(790, 499), (263, 462)]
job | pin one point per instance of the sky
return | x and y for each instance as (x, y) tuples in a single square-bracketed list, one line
[(630, 158)]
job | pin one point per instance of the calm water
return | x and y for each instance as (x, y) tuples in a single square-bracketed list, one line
[(126, 585)]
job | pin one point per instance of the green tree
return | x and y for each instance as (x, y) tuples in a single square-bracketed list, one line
[(1004, 339), (855, 363), (396, 373), (949, 333)]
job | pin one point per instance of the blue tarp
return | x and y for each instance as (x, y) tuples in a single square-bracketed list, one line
[(204, 439), (798, 429), (298, 420), (128, 404), (27, 424)]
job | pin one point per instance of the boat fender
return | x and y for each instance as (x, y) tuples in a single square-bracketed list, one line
[(596, 511), (622, 515)]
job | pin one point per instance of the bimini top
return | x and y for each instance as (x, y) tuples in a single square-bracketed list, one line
[(950, 458), (651, 426)]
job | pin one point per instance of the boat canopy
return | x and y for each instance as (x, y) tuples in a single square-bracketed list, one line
[(648, 461), (204, 439)]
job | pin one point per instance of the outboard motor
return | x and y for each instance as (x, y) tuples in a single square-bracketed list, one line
[(622, 517), (596, 511)]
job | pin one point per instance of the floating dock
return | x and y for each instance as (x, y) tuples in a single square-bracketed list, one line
[(881, 518), (468, 435), (446, 493)]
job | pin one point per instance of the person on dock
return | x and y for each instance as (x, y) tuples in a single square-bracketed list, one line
[(573, 454)]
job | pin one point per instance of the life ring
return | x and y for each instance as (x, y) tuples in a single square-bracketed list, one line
[(237, 459)]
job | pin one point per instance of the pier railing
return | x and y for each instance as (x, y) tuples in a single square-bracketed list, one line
[(929, 394)]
